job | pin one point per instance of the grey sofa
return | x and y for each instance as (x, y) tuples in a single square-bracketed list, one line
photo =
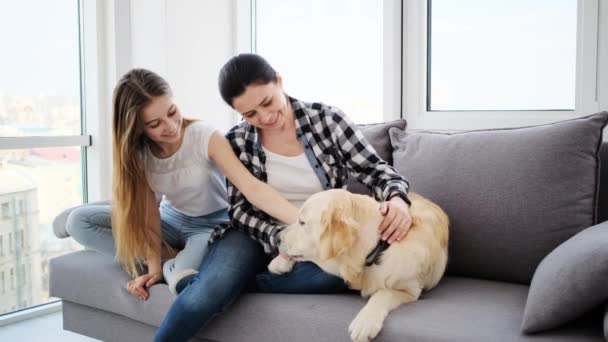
[(464, 307)]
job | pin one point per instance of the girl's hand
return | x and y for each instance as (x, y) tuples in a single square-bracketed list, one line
[(138, 286), (397, 220)]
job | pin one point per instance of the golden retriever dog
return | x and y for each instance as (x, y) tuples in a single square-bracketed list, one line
[(338, 231)]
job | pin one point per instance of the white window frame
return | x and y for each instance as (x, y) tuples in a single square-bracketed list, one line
[(245, 34), (106, 54), (415, 76)]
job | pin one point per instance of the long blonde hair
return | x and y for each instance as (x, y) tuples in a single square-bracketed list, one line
[(134, 91)]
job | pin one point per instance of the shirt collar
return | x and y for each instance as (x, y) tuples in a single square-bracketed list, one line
[(301, 119)]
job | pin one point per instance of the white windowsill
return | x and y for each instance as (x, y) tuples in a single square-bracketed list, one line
[(30, 313)]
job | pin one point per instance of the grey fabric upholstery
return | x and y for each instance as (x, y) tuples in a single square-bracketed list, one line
[(602, 210), (606, 322), (377, 135), (570, 281), (93, 322), (512, 195), (60, 220), (459, 309)]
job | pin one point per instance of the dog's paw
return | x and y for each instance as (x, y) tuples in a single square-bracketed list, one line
[(280, 265), (365, 326)]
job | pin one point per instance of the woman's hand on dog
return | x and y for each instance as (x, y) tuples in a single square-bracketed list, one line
[(397, 220), (138, 286)]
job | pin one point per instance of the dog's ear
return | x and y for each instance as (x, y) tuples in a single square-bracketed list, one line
[(338, 230)]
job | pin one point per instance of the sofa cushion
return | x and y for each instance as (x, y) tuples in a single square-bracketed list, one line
[(602, 210), (377, 135), (459, 309), (512, 195), (570, 281)]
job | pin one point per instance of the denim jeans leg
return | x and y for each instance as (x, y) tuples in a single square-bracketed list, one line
[(305, 277), (187, 262), (91, 227), (226, 268)]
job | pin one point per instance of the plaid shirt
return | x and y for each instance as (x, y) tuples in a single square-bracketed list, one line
[(334, 146)]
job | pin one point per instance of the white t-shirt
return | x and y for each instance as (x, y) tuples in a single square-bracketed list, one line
[(188, 181), (292, 177)]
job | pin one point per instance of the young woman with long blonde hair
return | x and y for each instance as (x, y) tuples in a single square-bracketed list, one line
[(159, 154)]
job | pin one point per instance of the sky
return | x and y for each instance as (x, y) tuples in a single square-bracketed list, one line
[(503, 54), (40, 47)]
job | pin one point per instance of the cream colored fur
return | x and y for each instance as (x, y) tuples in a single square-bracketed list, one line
[(338, 229)]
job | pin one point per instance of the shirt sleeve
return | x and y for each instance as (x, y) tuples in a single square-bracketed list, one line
[(203, 132), (362, 160), (243, 215)]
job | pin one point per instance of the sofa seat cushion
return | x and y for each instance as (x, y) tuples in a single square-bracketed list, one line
[(459, 309)]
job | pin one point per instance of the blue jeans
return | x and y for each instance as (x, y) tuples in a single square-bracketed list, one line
[(304, 278), (231, 265), (228, 265), (91, 226)]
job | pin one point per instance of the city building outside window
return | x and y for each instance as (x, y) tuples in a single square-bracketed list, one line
[(6, 210)]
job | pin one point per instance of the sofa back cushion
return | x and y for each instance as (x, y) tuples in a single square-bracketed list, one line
[(377, 135), (512, 195)]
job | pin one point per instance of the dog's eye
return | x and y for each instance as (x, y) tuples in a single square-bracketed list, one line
[(301, 222)]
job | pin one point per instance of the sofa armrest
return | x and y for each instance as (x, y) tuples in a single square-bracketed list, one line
[(60, 220)]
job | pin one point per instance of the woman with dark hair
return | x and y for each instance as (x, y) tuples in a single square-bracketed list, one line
[(298, 148)]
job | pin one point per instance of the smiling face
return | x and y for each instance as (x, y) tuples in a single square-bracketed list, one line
[(264, 106), (162, 121)]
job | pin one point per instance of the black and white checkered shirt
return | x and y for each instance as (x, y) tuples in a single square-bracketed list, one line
[(334, 146)]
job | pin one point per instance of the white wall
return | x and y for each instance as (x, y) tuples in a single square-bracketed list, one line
[(187, 42)]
